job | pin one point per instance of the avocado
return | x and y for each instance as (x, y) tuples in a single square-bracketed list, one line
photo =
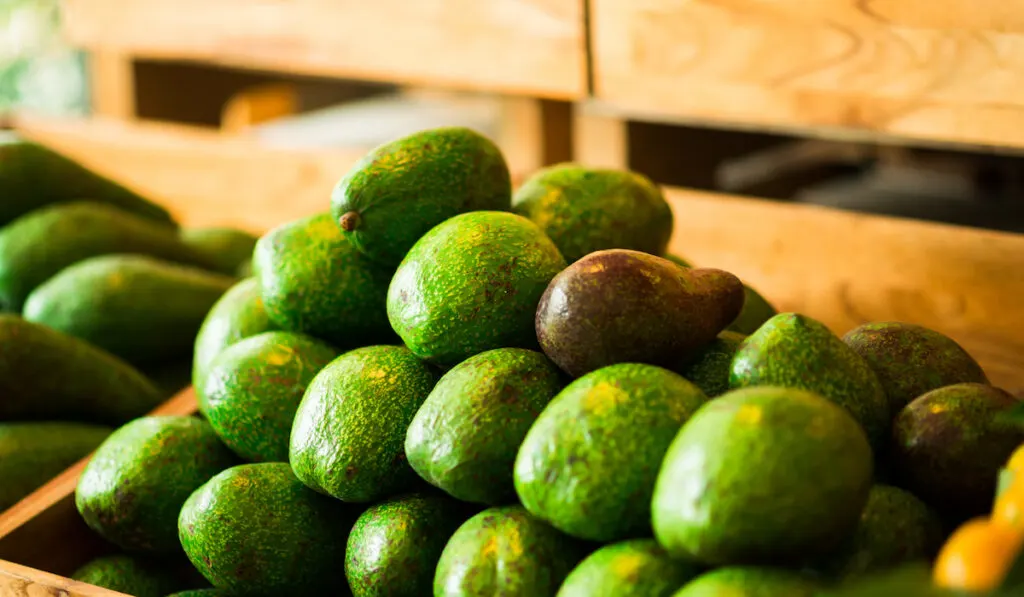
[(465, 436), (45, 374), (756, 310), (394, 546), (505, 551), (911, 360), (33, 453), (401, 189), (199, 593), (254, 387), (587, 209), (762, 476), (794, 351), (589, 463), (709, 368), (256, 530), (39, 244), (621, 306), (676, 259), (750, 581), (470, 285), (949, 444), (131, 490), (348, 438), (314, 281), (245, 269), (634, 568), (170, 377), (141, 309), (33, 176), (132, 575), (225, 248)]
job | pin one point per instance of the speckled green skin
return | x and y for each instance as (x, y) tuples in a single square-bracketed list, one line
[(465, 437), (348, 439), (621, 306), (32, 453), (36, 246), (394, 546), (225, 248), (505, 551), (238, 314), (948, 447), (404, 188), (635, 568), (795, 351), (895, 528), (587, 209), (255, 530), (676, 259), (756, 310), (138, 308), (199, 593), (254, 387), (314, 281), (709, 368), (588, 464), (130, 575), (472, 284), (131, 490), (750, 582), (762, 476), (48, 375), (911, 360)]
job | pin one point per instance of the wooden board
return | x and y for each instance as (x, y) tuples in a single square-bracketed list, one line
[(942, 70), (535, 47)]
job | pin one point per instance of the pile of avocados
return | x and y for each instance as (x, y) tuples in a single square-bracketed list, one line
[(441, 386)]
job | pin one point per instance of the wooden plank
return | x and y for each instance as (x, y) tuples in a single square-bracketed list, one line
[(534, 47), (944, 70), (21, 581), (112, 85)]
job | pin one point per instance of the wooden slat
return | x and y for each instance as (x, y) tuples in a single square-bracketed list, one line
[(941, 70), (21, 581), (534, 47)]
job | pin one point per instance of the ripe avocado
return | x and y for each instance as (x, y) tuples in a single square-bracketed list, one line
[(634, 568), (472, 284), (225, 248), (762, 476), (709, 368), (621, 306), (750, 581), (254, 387), (592, 209), (465, 436), (589, 463), (756, 311), (199, 593), (132, 575), (348, 439), (133, 487), (403, 188)]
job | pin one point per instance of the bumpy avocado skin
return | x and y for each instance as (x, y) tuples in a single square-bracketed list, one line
[(133, 487), (225, 248), (709, 368), (254, 388), (402, 189), (505, 551), (762, 476), (795, 351), (348, 439), (256, 530), (589, 463), (756, 310), (911, 360), (130, 575), (750, 581), (634, 568), (472, 284), (199, 593), (313, 280), (592, 209), (465, 436)]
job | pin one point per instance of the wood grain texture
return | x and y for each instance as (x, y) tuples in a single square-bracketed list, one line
[(945, 70), (534, 47), (21, 581)]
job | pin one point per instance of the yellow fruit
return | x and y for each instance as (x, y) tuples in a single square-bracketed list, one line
[(1016, 462), (977, 556), (1009, 508)]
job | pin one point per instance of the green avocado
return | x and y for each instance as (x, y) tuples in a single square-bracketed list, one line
[(634, 568), (131, 575), (472, 284), (465, 436), (348, 438), (750, 581), (403, 188), (589, 463), (592, 209), (795, 351), (133, 487), (45, 374), (225, 248), (256, 530), (32, 453), (709, 368), (505, 551), (199, 593), (756, 311), (676, 259), (762, 476), (254, 387), (313, 280)]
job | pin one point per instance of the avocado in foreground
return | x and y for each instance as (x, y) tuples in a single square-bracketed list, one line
[(751, 581), (634, 568), (130, 575)]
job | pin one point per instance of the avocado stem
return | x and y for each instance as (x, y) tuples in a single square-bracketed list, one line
[(349, 221)]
